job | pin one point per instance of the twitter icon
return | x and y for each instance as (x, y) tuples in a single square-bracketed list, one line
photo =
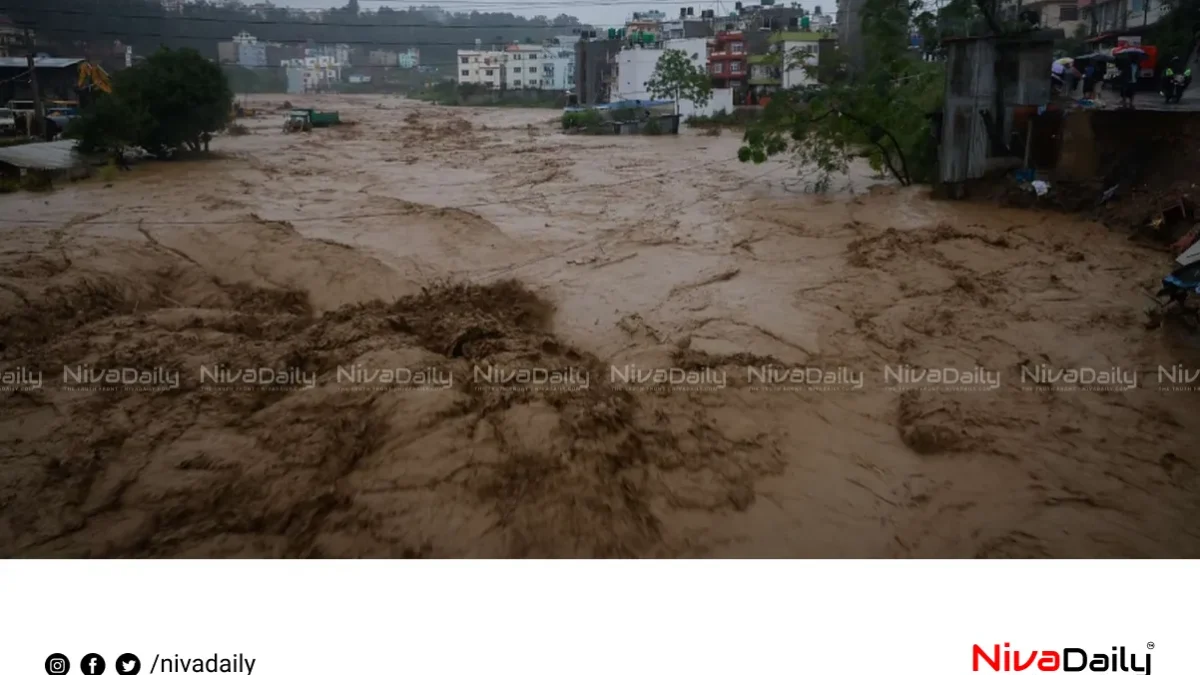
[(128, 664)]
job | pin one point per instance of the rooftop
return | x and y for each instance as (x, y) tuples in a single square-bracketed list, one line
[(21, 62), (796, 36)]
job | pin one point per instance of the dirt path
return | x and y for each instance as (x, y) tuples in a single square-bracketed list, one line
[(440, 241)]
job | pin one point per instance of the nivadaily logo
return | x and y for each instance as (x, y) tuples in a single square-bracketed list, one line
[(1069, 660)]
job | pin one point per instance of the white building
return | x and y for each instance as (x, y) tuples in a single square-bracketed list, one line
[(1103, 16), (481, 67), (635, 66), (797, 50), (312, 73), (519, 67), (524, 66)]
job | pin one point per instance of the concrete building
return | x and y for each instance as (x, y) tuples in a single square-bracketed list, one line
[(558, 68), (595, 61), (524, 66), (635, 65), (727, 59), (409, 58), (312, 73), (382, 58), (797, 50), (482, 67), (1105, 16), (849, 33), (1056, 14), (227, 52), (12, 38)]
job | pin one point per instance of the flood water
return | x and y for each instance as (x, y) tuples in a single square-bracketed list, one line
[(659, 254)]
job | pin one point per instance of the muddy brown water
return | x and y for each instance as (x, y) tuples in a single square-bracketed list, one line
[(447, 240)]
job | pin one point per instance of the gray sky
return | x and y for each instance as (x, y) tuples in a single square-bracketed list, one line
[(600, 12)]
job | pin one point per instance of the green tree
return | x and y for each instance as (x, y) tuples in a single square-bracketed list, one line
[(677, 77), (169, 101), (880, 113), (106, 126)]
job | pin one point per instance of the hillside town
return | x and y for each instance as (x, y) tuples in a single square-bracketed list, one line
[(878, 279)]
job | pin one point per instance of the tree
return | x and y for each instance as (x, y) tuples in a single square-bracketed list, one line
[(881, 112), (169, 101), (106, 126), (677, 77)]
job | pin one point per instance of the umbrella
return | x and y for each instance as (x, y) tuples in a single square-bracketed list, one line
[(1099, 57), (1066, 61), (1131, 53)]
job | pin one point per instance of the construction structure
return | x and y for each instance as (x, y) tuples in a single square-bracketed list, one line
[(990, 83)]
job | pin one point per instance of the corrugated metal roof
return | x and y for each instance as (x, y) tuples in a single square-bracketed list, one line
[(52, 156), (22, 62)]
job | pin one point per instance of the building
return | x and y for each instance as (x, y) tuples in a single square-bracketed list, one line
[(482, 67), (1104, 16), (250, 52), (409, 58), (558, 68), (595, 61), (1056, 14), (797, 50), (524, 66), (312, 73), (727, 59), (635, 65), (383, 59), (57, 78), (12, 38), (645, 22)]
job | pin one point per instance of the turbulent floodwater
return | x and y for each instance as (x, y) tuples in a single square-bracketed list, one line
[(447, 240)]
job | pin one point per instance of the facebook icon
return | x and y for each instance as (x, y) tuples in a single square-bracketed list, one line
[(92, 664)]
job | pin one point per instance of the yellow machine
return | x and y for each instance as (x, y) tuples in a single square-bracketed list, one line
[(93, 76)]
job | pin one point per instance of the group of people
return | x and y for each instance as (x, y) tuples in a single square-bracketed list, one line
[(1068, 73)]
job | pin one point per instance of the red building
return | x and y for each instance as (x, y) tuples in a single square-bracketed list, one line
[(727, 59)]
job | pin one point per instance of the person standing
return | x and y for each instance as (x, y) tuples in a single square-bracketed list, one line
[(1129, 82)]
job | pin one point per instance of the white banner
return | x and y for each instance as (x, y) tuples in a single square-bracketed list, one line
[(607, 618)]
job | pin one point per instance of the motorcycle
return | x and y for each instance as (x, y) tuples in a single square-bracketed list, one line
[(1172, 90)]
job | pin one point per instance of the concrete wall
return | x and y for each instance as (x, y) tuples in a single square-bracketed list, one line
[(970, 90), (593, 69), (721, 101), (794, 75), (635, 66)]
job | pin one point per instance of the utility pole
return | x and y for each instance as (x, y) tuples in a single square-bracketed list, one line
[(36, 124)]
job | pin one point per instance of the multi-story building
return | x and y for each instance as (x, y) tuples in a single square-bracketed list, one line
[(250, 52), (12, 38), (635, 65), (409, 58), (727, 59), (524, 66), (482, 67), (798, 51), (1109, 16), (312, 73), (558, 68)]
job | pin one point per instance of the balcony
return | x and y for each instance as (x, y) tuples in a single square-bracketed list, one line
[(727, 56)]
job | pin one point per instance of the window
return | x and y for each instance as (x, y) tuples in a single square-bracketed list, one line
[(466, 60), (735, 67), (1134, 6), (517, 69), (516, 57), (516, 83), (533, 57), (1071, 12), (718, 67), (466, 73), (489, 73), (736, 48)]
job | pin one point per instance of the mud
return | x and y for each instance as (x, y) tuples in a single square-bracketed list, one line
[(449, 240)]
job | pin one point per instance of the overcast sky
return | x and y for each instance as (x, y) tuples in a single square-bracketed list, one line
[(600, 12)]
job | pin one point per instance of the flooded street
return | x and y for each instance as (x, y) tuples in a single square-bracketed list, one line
[(448, 239)]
